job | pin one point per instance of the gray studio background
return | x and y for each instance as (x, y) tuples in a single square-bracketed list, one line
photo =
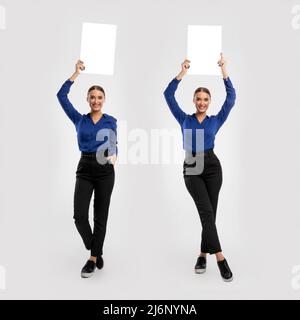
[(153, 230)]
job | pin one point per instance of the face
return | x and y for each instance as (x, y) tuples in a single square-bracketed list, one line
[(201, 101), (96, 99)]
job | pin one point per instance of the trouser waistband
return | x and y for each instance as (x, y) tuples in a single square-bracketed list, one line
[(93, 154), (89, 154), (206, 152)]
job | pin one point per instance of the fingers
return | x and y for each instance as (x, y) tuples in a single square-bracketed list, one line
[(80, 65), (221, 62), (186, 63), (112, 159)]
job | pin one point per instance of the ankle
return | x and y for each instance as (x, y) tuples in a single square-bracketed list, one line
[(220, 257), (93, 258)]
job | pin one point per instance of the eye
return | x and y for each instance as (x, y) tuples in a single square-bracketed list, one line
[(206, 99)]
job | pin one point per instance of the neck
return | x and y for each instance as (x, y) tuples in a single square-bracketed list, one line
[(96, 113), (200, 114)]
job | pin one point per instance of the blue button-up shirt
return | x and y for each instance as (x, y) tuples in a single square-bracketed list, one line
[(90, 135), (210, 125)]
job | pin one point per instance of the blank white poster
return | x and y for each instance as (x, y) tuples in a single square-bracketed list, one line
[(204, 45), (2, 18), (98, 42)]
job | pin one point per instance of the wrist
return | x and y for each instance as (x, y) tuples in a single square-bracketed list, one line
[(74, 76), (180, 75)]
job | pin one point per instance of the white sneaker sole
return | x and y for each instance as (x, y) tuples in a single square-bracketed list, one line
[(199, 271), (86, 275), (228, 280)]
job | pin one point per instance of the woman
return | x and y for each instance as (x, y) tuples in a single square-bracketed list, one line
[(203, 185), (96, 135)]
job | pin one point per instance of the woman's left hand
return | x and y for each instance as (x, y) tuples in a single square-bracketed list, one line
[(222, 65), (222, 62), (112, 159)]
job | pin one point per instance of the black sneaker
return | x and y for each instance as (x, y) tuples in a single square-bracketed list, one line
[(200, 266), (225, 271), (88, 269), (99, 262)]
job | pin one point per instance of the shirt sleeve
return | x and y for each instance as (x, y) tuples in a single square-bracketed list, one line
[(113, 149), (169, 94), (63, 99), (229, 102)]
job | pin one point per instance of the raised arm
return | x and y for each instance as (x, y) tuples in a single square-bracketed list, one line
[(169, 94), (62, 95), (230, 94)]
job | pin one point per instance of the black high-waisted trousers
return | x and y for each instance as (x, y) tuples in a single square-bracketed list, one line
[(92, 177), (204, 189)]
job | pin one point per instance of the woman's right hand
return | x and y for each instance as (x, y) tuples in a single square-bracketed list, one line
[(79, 66)]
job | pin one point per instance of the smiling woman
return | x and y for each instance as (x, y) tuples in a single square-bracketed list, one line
[(92, 175), (96, 98), (204, 181), (202, 99)]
